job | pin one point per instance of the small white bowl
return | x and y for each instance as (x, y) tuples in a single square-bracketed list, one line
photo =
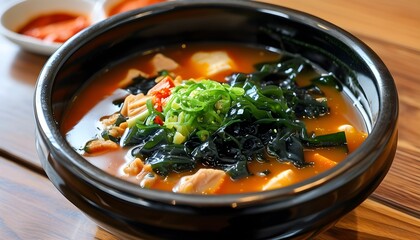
[(17, 13)]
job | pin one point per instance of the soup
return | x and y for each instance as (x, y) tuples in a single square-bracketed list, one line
[(214, 118)]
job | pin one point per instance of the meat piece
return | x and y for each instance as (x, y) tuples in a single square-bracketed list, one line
[(134, 167), (117, 131), (147, 177), (282, 179), (109, 120), (204, 181), (100, 146), (161, 62), (148, 180), (113, 130)]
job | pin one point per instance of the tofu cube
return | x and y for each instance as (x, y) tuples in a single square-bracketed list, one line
[(211, 63)]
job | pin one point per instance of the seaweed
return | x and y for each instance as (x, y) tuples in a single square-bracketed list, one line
[(226, 126)]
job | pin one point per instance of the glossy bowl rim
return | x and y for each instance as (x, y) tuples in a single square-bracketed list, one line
[(352, 165)]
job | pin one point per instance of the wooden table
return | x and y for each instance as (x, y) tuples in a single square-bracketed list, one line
[(31, 208)]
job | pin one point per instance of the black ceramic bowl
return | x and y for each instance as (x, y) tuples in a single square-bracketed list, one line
[(301, 210)]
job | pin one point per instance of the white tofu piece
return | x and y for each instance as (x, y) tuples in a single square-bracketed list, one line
[(204, 181), (161, 62), (212, 63), (282, 179)]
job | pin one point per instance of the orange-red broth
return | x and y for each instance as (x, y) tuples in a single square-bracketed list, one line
[(94, 101)]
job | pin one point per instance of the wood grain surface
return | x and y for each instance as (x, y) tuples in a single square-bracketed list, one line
[(31, 208)]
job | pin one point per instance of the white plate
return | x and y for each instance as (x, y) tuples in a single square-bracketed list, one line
[(18, 13)]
